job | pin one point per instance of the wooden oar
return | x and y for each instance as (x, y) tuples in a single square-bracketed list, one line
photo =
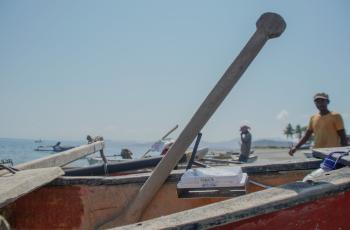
[(165, 136), (269, 25)]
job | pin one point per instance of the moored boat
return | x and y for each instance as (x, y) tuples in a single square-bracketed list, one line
[(87, 202), (53, 148)]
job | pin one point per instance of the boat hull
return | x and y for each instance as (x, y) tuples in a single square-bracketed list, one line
[(87, 202), (326, 213)]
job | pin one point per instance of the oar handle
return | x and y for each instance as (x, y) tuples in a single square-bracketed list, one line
[(269, 25)]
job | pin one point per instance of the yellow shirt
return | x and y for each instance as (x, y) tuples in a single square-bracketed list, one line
[(325, 129)]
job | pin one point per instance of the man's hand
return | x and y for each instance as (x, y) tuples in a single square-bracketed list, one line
[(292, 150)]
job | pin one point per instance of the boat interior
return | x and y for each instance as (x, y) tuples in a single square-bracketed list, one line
[(86, 202)]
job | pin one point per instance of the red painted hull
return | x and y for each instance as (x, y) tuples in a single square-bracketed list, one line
[(327, 213)]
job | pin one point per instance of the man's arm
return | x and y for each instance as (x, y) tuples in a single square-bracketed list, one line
[(343, 139), (302, 141)]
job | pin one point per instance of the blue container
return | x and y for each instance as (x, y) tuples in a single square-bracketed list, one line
[(330, 162)]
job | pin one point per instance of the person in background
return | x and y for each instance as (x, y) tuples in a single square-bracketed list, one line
[(246, 141), (126, 154), (327, 127), (57, 146), (91, 139), (166, 147)]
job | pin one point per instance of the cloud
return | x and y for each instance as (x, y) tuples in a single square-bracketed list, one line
[(282, 115)]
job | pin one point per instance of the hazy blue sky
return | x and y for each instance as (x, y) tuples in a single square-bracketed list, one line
[(134, 69)]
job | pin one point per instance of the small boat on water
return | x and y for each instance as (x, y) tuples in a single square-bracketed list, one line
[(125, 155), (93, 160), (53, 148)]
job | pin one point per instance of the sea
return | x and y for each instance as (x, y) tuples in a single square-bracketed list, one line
[(23, 150)]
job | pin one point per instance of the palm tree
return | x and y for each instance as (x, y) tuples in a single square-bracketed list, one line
[(298, 131), (289, 131)]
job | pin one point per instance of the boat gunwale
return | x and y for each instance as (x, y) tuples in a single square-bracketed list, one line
[(140, 178)]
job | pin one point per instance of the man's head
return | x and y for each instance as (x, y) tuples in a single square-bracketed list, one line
[(321, 101), (323, 96), (244, 128)]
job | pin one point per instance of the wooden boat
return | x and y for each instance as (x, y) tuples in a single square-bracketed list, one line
[(87, 202), (298, 205), (54, 148), (127, 166), (274, 197), (93, 160), (115, 168), (125, 155), (51, 149)]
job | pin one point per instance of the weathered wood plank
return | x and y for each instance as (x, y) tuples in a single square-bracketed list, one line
[(13, 186), (217, 192), (324, 152), (62, 158), (286, 165)]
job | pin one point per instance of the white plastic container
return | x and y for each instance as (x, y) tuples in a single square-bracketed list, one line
[(213, 177)]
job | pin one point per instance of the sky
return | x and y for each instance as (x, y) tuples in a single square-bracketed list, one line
[(132, 70)]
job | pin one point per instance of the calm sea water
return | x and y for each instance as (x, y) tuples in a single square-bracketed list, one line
[(22, 150)]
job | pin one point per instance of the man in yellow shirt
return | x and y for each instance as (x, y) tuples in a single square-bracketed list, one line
[(327, 126)]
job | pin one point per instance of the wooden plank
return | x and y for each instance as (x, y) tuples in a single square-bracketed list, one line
[(13, 186), (286, 165), (60, 159), (324, 152)]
